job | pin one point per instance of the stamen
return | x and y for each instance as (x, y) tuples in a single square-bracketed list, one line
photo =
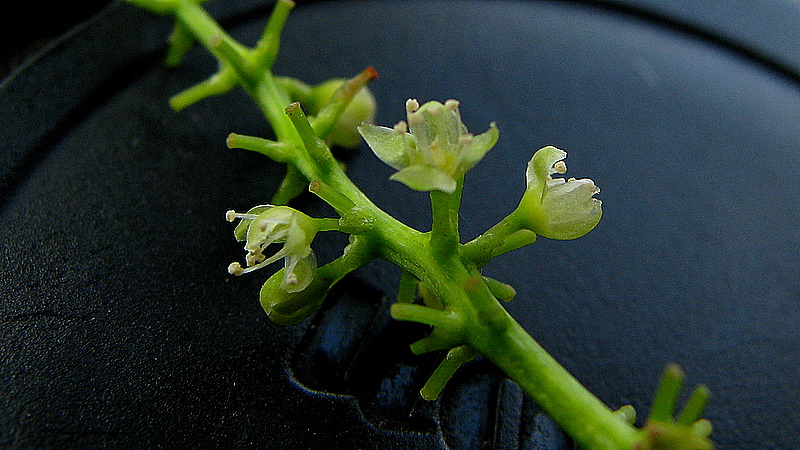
[(235, 269), (415, 119), (232, 215), (280, 254), (255, 257), (451, 104), (401, 127), (412, 105)]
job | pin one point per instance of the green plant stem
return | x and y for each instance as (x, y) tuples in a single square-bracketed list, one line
[(667, 394), (495, 241), (207, 31), (266, 49), (454, 359), (582, 415), (694, 407), (359, 254), (445, 238), (492, 332), (260, 84), (407, 288)]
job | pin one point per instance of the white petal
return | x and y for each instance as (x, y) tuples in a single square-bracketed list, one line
[(389, 145)]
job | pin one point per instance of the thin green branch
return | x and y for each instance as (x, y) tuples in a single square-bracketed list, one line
[(180, 42), (219, 83), (292, 185), (267, 47), (667, 394), (316, 148), (503, 237), (277, 151), (454, 359), (695, 406)]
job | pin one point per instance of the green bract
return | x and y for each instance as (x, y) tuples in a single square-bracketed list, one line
[(433, 149), (554, 207)]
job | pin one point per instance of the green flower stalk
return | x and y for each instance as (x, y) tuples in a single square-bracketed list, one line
[(554, 208), (441, 284)]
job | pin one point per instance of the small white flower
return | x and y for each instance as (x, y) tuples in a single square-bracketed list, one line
[(557, 208), (432, 149), (265, 225)]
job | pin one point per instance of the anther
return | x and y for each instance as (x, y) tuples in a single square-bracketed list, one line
[(560, 167), (451, 104), (235, 269), (254, 257), (401, 127), (412, 105), (232, 215)]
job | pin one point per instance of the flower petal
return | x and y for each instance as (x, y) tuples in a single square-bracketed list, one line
[(425, 178), (270, 226), (540, 167), (297, 239), (571, 209), (477, 147), (388, 144), (298, 272), (240, 232)]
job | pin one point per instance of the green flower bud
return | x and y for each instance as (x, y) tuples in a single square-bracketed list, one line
[(361, 109), (433, 149), (290, 308), (554, 207)]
